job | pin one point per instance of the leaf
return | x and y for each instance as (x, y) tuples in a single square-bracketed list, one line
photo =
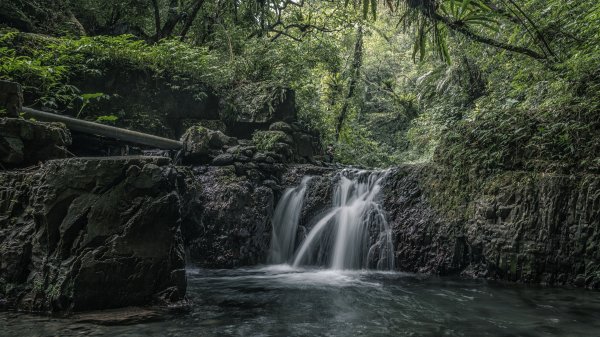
[(87, 97), (463, 8)]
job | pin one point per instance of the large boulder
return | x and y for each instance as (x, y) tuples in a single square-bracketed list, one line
[(86, 234), (200, 144), (24, 142)]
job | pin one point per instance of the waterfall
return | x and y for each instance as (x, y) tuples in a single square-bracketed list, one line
[(285, 223), (352, 234)]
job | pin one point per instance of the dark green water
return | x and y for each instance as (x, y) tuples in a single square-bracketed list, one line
[(279, 301)]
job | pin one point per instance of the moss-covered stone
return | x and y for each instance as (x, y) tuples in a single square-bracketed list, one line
[(266, 140)]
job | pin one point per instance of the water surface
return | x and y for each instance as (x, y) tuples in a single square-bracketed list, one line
[(282, 301)]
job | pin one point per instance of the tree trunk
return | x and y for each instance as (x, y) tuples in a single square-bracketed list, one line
[(190, 18), (173, 19), (354, 78), (156, 19)]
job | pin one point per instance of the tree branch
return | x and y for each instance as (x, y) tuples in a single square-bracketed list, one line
[(464, 30)]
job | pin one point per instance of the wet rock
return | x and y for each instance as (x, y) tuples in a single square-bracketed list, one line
[(24, 143), (223, 159), (234, 149), (520, 227), (230, 222), (259, 157), (272, 184), (201, 144), (85, 234), (124, 316)]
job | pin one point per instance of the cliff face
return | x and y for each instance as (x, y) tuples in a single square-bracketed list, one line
[(83, 234), (523, 227)]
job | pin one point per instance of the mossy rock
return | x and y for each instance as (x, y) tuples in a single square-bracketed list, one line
[(266, 140), (281, 126)]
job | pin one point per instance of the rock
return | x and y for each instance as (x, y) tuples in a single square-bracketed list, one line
[(223, 159), (272, 184), (265, 140), (304, 145), (519, 226), (281, 126), (259, 157), (24, 143), (234, 149), (124, 316), (11, 98), (200, 144), (88, 234), (242, 158), (243, 121), (231, 220), (249, 151), (282, 149)]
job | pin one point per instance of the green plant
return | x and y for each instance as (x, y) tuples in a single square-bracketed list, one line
[(86, 99), (265, 140)]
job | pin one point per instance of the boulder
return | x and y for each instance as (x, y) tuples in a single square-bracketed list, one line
[(89, 234), (223, 159), (304, 145), (281, 126), (200, 144), (11, 98), (24, 142), (266, 140)]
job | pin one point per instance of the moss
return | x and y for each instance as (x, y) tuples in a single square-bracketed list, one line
[(266, 140)]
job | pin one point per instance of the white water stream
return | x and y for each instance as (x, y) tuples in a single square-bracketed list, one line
[(352, 234)]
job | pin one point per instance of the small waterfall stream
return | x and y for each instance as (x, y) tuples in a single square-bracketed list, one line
[(352, 234), (285, 223)]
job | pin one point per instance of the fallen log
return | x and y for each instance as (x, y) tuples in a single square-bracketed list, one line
[(125, 135)]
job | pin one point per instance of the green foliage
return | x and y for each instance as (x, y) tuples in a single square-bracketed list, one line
[(108, 119), (513, 140), (265, 140), (46, 81), (522, 90), (86, 99)]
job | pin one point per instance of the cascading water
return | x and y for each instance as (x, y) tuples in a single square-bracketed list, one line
[(285, 223), (353, 234)]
